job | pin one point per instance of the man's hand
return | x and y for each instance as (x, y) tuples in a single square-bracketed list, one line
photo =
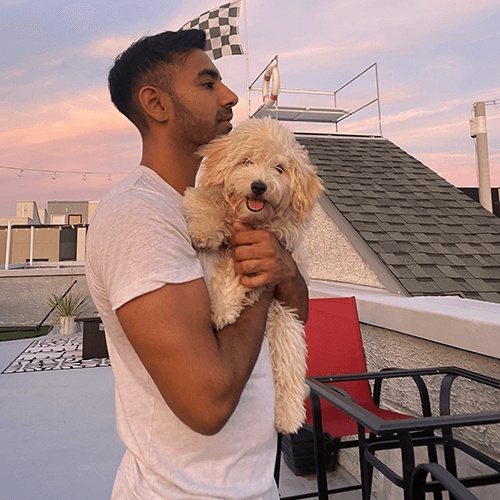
[(261, 260)]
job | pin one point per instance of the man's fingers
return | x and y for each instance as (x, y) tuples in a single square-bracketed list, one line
[(239, 226), (252, 252), (258, 257), (254, 280), (245, 235)]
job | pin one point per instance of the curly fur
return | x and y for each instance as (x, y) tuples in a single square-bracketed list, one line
[(259, 175)]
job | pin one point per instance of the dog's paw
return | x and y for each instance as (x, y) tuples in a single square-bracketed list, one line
[(205, 241), (206, 217)]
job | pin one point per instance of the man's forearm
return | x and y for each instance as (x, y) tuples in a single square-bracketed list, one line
[(293, 293), (239, 347)]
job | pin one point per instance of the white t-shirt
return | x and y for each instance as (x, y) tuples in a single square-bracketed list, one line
[(137, 242)]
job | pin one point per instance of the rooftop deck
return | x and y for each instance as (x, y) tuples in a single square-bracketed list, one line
[(58, 429)]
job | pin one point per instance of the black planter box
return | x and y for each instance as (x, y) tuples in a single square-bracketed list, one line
[(94, 340), (298, 451)]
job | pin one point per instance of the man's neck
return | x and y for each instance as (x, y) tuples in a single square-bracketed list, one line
[(172, 163)]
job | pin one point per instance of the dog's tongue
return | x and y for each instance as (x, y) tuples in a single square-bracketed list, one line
[(255, 205)]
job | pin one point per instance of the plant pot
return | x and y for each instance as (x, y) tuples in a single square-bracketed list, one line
[(67, 325), (298, 451)]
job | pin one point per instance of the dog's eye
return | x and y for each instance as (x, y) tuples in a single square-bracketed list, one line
[(279, 168), (247, 161)]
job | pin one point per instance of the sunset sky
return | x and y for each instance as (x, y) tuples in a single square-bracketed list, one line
[(435, 59)]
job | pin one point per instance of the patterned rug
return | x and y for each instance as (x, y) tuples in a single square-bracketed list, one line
[(54, 353)]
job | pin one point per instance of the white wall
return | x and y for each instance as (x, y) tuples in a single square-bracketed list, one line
[(424, 332), (332, 256)]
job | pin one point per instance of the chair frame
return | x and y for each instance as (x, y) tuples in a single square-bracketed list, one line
[(441, 477), (347, 307), (403, 434)]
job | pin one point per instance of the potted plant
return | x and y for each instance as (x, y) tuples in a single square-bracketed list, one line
[(67, 307)]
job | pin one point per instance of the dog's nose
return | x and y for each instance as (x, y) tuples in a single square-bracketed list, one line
[(258, 188)]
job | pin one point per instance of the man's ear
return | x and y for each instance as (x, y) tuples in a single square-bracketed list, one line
[(155, 103)]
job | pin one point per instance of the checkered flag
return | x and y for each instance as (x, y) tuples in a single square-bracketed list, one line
[(221, 27)]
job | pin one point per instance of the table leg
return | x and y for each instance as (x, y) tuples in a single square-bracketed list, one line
[(366, 468), (319, 452), (408, 462)]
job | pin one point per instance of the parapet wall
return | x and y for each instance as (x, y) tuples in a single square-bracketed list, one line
[(24, 293)]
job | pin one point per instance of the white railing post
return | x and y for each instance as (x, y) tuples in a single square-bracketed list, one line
[(7, 248), (32, 242)]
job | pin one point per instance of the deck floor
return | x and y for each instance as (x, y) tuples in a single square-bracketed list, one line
[(57, 425)]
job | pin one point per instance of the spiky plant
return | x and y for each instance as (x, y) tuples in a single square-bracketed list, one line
[(70, 304)]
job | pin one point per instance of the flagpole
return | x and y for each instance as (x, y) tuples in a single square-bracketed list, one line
[(246, 57)]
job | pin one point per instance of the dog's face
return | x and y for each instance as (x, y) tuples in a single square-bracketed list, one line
[(263, 172)]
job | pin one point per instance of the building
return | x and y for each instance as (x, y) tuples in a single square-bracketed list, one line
[(57, 233)]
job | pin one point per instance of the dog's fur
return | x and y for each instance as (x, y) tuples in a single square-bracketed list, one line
[(261, 176)]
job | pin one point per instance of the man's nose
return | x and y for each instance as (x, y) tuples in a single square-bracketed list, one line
[(229, 98)]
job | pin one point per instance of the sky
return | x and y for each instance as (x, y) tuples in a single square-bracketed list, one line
[(434, 59)]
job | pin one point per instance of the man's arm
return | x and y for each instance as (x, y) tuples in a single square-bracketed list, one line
[(199, 373)]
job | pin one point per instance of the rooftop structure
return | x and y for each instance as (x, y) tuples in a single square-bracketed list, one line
[(430, 236)]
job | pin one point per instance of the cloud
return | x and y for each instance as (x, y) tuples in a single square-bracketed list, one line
[(107, 47), (481, 38), (14, 73), (316, 56), (55, 61), (72, 130)]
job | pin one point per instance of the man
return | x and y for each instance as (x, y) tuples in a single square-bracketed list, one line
[(194, 407)]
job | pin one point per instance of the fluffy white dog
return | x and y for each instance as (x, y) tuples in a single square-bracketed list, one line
[(261, 176)]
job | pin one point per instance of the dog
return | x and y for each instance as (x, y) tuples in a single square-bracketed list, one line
[(261, 176)]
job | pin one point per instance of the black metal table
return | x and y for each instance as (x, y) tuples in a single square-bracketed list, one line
[(397, 434)]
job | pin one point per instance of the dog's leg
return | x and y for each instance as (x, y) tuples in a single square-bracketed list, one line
[(206, 217), (227, 295), (287, 349)]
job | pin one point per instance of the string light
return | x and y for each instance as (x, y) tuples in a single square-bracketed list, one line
[(54, 173)]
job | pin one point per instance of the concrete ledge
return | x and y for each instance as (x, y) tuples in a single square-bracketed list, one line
[(62, 268), (471, 325)]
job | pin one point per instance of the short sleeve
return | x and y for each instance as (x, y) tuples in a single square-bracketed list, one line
[(139, 242)]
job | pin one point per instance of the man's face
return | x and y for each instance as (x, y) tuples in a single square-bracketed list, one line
[(202, 103)]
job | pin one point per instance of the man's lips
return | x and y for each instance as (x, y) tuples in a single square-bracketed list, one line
[(226, 117)]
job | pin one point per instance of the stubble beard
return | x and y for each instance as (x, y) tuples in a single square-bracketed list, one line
[(192, 129)]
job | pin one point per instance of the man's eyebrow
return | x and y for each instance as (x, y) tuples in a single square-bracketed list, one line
[(209, 72)]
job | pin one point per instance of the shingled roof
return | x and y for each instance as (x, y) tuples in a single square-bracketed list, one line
[(432, 237)]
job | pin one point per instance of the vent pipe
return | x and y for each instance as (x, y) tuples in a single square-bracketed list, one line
[(478, 131)]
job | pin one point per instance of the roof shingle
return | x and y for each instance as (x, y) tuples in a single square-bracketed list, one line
[(432, 237)]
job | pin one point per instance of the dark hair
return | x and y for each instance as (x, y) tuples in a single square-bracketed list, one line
[(138, 66)]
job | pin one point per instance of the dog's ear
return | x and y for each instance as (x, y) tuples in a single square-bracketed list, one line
[(308, 187), (216, 157)]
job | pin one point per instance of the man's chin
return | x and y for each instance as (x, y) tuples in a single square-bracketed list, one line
[(225, 127)]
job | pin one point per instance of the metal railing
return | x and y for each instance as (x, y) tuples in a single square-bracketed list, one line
[(333, 94)]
